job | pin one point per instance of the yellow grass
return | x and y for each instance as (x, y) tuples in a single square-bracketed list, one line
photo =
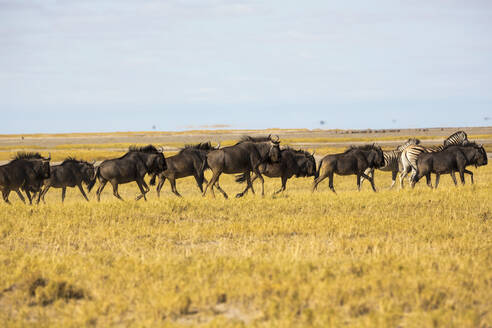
[(411, 258)]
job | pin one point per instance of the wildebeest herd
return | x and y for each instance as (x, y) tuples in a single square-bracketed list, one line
[(251, 158)]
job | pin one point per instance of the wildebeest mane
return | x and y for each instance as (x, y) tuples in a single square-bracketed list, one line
[(27, 155), (297, 151), (363, 147), (143, 149), (253, 139), (74, 160), (469, 144), (199, 146)]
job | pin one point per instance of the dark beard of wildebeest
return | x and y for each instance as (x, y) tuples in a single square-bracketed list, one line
[(133, 166), (292, 162), (190, 161), (244, 157), (450, 160), (410, 154), (355, 160), (70, 173), (26, 171), (392, 161)]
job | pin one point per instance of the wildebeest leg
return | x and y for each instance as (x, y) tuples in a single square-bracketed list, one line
[(5, 194), (371, 180), (462, 177), (221, 190), (142, 190), (115, 189), (262, 183), (199, 181), (82, 191), (454, 178), (330, 182), (20, 196), (438, 176), (284, 183), (42, 193), (370, 172), (470, 173), (102, 184), (162, 179), (317, 181), (215, 178), (172, 181), (64, 191), (358, 182), (29, 197), (249, 185), (428, 180)]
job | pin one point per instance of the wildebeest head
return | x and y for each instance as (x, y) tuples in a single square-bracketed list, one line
[(274, 153), (156, 163), (375, 157), (87, 170), (306, 163), (481, 156)]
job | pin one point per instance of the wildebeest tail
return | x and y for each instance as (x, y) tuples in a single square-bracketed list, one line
[(91, 184), (241, 178)]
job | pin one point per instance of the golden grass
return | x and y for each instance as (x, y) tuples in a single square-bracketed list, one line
[(411, 258)]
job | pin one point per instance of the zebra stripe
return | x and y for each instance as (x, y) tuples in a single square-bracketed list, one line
[(457, 138)]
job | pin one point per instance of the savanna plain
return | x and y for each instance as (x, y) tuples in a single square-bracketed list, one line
[(396, 258)]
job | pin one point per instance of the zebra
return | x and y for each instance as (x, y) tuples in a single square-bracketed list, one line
[(392, 161), (409, 156)]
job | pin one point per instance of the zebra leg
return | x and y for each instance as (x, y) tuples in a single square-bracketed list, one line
[(368, 171), (393, 178), (470, 173)]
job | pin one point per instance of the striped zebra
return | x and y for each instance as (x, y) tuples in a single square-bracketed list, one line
[(392, 161), (409, 156)]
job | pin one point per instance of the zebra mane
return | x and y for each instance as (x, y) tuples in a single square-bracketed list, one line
[(145, 149), (410, 141)]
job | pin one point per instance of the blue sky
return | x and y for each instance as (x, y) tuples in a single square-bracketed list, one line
[(76, 66)]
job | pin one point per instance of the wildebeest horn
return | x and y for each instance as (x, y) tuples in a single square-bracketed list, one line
[(49, 157), (314, 152), (277, 138), (218, 146), (161, 149), (93, 162)]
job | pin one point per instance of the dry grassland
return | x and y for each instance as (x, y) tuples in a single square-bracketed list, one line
[(410, 258)]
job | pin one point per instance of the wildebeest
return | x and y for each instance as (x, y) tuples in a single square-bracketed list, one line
[(450, 160), (133, 166), (392, 161), (244, 157), (190, 161), (69, 173), (26, 171), (355, 160), (409, 155), (292, 162)]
